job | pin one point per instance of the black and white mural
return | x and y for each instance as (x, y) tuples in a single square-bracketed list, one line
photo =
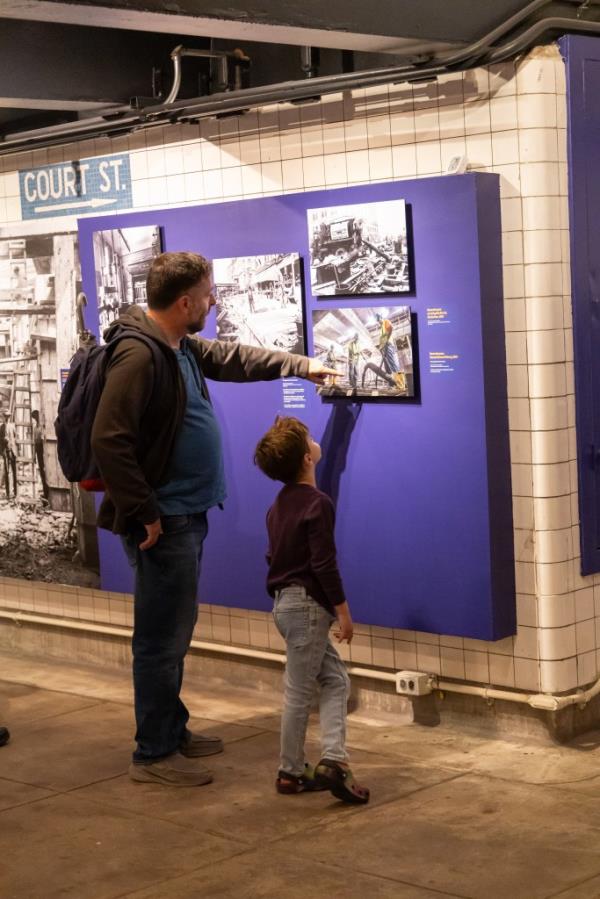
[(47, 527)]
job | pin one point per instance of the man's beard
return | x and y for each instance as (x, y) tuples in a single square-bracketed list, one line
[(195, 326)]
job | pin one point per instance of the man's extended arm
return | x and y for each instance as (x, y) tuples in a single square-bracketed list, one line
[(223, 360)]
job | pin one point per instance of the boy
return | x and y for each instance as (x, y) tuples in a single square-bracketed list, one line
[(305, 582)]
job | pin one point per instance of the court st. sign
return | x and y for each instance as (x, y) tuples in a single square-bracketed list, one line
[(97, 184)]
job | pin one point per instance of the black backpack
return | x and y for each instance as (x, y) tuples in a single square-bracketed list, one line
[(78, 404)]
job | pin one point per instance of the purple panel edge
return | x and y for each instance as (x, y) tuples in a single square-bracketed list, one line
[(576, 50)]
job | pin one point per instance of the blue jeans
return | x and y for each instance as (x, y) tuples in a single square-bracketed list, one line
[(166, 609), (312, 664)]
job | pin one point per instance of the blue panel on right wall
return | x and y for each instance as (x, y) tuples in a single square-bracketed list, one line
[(582, 57)]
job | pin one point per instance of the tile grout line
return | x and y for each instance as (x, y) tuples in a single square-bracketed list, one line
[(158, 883)]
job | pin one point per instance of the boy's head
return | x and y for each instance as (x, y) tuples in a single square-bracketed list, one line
[(287, 451)]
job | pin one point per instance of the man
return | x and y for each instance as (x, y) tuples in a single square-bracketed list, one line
[(250, 296), (389, 353), (8, 452), (38, 449), (353, 359), (158, 446)]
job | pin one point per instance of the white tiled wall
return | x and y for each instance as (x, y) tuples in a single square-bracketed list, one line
[(507, 119)]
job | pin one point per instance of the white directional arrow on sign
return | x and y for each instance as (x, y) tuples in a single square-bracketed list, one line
[(92, 204)]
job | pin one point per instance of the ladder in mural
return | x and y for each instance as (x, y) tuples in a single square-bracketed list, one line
[(21, 411)]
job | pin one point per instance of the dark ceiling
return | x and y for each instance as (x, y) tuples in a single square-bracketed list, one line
[(63, 61)]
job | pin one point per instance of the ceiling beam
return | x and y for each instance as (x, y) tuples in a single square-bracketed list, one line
[(68, 67), (305, 24)]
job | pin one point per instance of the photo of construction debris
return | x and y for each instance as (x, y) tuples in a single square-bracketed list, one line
[(47, 527), (259, 301), (358, 249), (371, 348), (122, 258)]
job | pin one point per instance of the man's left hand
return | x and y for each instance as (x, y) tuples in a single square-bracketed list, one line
[(317, 372)]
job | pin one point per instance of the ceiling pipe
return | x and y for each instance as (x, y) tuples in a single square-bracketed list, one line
[(119, 120), (222, 56), (308, 64)]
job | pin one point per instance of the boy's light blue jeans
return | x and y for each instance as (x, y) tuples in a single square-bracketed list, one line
[(312, 663)]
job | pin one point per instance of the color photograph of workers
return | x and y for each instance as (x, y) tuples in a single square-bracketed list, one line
[(371, 348), (259, 301), (359, 249)]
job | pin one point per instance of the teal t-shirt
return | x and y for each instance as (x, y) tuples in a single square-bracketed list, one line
[(196, 474)]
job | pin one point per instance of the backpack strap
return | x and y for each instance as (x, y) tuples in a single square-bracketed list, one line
[(131, 333)]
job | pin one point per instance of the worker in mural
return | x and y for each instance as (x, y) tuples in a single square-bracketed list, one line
[(353, 359), (38, 449), (8, 453), (389, 353)]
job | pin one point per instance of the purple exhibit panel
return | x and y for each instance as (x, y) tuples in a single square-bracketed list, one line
[(422, 486)]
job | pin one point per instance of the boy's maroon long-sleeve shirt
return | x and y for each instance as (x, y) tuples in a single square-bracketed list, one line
[(300, 524)]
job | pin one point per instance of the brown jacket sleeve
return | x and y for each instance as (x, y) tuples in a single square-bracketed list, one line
[(116, 431), (222, 360)]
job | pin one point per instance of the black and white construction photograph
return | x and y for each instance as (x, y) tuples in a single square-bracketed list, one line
[(47, 526), (358, 249), (371, 348), (259, 301), (122, 258)]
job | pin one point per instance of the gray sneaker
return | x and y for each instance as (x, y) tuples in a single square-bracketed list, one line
[(196, 745), (173, 771)]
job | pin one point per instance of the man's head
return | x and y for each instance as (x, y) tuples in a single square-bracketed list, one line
[(180, 285), (286, 451), (36, 416)]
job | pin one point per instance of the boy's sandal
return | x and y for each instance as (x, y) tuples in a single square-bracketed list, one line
[(304, 783), (340, 781)]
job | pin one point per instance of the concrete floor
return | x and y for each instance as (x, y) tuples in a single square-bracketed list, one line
[(451, 815)]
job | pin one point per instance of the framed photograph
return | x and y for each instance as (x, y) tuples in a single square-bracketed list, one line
[(259, 301), (359, 249), (372, 348), (122, 258)]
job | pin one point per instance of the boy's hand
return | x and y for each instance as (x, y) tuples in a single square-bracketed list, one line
[(344, 628)]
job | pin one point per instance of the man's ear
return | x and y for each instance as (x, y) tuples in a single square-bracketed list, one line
[(182, 303)]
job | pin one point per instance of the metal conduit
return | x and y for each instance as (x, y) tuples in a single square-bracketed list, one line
[(222, 56), (548, 702), (122, 119)]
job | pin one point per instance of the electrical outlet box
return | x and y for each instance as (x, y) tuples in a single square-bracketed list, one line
[(457, 166), (413, 683)]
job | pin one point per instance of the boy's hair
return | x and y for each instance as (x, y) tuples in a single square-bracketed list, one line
[(171, 274), (280, 453)]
